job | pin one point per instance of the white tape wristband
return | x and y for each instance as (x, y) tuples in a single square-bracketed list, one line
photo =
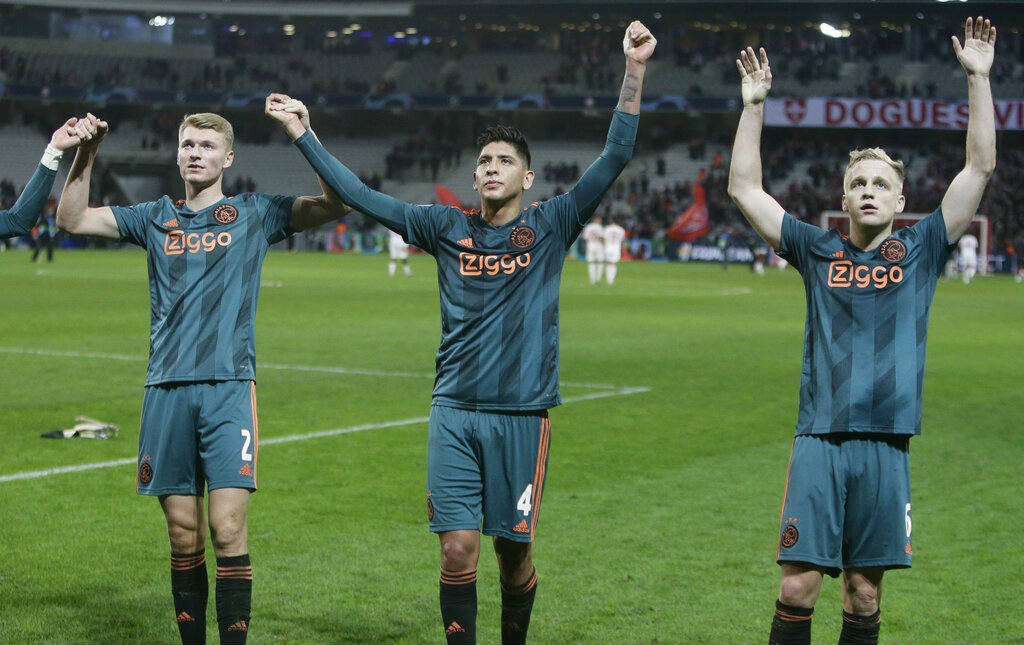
[(51, 157)]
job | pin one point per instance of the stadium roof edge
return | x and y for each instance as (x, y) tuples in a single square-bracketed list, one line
[(292, 8)]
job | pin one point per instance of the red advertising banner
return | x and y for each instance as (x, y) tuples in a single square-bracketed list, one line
[(819, 112)]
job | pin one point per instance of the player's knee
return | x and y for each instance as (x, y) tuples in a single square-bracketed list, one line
[(798, 591), (186, 536), (458, 555), (228, 534)]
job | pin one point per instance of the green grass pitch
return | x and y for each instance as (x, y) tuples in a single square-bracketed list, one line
[(664, 483)]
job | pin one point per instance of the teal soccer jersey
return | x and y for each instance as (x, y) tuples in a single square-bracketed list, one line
[(499, 284), (867, 325), (20, 218), (204, 279)]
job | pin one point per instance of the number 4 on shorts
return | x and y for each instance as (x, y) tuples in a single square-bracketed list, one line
[(524, 504)]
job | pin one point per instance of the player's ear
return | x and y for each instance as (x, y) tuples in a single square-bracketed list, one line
[(475, 187), (844, 208), (229, 158), (901, 202), (528, 180)]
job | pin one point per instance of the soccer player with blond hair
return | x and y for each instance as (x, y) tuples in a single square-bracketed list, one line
[(846, 509), (199, 430)]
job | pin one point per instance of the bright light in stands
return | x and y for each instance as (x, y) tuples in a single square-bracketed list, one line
[(832, 32), (289, 29), (161, 21)]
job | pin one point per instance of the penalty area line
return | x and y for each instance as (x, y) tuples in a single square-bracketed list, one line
[(305, 436)]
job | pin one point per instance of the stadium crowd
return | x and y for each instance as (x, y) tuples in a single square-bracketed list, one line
[(801, 167)]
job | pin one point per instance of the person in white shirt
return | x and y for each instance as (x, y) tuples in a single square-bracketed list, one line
[(593, 235), (399, 251), (968, 248), (614, 235)]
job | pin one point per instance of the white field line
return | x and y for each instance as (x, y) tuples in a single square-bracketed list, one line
[(604, 391)]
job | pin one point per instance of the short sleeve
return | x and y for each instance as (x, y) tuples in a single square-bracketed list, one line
[(132, 221), (275, 215)]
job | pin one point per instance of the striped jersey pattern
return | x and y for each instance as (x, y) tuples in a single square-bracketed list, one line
[(204, 277), (499, 285), (867, 325)]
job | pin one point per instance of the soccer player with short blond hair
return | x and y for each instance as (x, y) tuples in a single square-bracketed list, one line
[(199, 430), (846, 508)]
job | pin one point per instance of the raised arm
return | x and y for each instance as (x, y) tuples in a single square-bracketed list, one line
[(638, 45), (745, 187), (964, 193), (307, 211), (73, 212), (346, 185), (25, 211)]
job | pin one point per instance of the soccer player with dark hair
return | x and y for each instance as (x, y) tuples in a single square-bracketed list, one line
[(847, 502), (199, 426), (499, 272), (20, 218)]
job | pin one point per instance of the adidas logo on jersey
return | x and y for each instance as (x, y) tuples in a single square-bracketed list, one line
[(245, 471), (466, 242), (522, 527)]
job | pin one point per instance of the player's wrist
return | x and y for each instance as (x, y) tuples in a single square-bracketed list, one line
[(51, 157)]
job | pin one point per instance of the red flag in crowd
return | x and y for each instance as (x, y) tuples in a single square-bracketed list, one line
[(693, 222)]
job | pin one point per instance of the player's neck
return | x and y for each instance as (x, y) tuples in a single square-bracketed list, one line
[(198, 197), (499, 214), (868, 238)]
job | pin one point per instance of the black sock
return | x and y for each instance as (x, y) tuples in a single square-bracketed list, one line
[(791, 625), (234, 598), (190, 588), (516, 607), (458, 606), (860, 630)]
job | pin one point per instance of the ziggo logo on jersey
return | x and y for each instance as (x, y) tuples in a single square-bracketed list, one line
[(473, 264), (844, 273), (177, 242)]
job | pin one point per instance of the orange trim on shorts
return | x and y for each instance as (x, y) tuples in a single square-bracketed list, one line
[(540, 471), (255, 433), (785, 491)]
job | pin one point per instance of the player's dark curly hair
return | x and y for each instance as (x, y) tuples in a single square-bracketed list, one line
[(506, 134)]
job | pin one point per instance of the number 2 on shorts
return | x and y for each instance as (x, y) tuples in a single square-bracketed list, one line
[(247, 438)]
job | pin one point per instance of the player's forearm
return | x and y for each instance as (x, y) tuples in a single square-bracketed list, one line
[(981, 125), (745, 165), (618, 150), (632, 87), (354, 193), (74, 199), (25, 211)]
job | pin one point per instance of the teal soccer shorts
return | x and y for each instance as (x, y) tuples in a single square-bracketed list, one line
[(488, 467), (847, 503), (197, 435)]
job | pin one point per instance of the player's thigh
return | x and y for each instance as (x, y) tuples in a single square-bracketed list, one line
[(812, 510), (229, 434), (878, 519), (454, 475), (515, 455), (168, 446)]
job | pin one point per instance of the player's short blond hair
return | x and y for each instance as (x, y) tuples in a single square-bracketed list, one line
[(856, 156), (209, 121)]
